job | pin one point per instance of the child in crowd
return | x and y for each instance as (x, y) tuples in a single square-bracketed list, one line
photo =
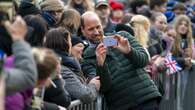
[(47, 66)]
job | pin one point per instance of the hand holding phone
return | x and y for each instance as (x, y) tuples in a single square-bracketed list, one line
[(100, 54), (123, 44), (109, 41)]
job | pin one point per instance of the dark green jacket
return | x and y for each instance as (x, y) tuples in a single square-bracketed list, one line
[(124, 82)]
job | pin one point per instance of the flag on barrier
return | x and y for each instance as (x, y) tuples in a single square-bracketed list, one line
[(171, 64)]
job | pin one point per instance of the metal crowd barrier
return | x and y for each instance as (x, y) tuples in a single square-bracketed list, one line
[(95, 105), (171, 99), (171, 84)]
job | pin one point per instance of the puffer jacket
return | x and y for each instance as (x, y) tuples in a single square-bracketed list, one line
[(124, 82)]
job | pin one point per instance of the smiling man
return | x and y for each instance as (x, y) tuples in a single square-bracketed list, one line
[(124, 82)]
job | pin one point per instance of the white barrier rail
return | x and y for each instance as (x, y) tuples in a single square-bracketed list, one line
[(95, 105)]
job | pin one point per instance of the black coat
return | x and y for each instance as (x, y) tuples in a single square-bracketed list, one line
[(58, 95)]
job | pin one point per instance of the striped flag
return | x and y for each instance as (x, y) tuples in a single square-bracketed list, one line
[(171, 64)]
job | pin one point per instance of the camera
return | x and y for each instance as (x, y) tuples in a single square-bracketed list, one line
[(6, 10), (109, 41)]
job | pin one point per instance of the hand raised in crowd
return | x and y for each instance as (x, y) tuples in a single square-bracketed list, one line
[(123, 44), (96, 81), (100, 54), (17, 29)]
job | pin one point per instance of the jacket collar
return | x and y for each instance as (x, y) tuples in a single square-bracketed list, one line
[(69, 61)]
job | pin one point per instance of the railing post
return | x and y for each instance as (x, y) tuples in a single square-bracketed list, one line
[(96, 105), (99, 103)]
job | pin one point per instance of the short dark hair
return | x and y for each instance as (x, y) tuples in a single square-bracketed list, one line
[(58, 39), (39, 26), (126, 19), (154, 3), (179, 6), (137, 3)]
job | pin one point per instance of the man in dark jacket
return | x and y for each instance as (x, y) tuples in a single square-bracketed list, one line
[(124, 82)]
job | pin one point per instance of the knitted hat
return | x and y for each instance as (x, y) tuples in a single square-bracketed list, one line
[(170, 5), (170, 16), (123, 27), (76, 40), (52, 5), (27, 7), (101, 2), (116, 5)]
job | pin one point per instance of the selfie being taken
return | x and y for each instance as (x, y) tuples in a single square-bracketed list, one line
[(97, 54)]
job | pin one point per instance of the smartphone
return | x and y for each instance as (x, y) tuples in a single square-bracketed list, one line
[(7, 7), (109, 41)]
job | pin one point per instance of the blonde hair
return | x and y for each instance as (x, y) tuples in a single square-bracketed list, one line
[(87, 4), (46, 61), (141, 25), (177, 45)]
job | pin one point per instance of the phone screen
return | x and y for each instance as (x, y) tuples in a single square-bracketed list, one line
[(110, 41)]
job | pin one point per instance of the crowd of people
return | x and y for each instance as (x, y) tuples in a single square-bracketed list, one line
[(53, 52)]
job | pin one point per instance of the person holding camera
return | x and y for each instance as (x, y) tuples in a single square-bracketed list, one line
[(124, 82), (23, 75)]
